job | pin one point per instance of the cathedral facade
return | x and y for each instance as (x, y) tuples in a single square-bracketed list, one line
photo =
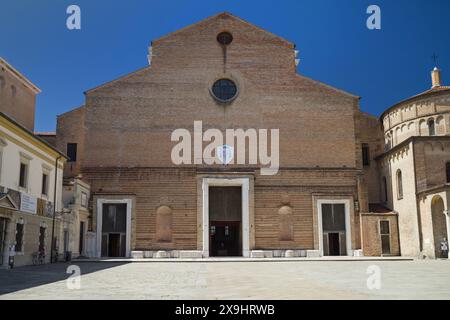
[(301, 171)]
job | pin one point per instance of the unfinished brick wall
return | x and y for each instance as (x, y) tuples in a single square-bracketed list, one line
[(124, 134), (129, 121), (368, 131), (154, 188), (70, 129), (17, 100)]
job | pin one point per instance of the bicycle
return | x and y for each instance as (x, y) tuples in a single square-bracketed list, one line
[(38, 258)]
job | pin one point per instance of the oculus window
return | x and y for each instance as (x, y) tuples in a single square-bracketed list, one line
[(224, 90), (224, 38)]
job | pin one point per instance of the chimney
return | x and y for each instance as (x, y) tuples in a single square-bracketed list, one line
[(436, 77)]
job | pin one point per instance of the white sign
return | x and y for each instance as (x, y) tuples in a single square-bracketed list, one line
[(225, 153), (28, 203)]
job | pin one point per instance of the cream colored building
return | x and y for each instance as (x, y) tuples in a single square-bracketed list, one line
[(30, 172), (76, 217), (27, 184), (415, 168)]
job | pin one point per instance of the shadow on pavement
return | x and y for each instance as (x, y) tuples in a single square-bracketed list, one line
[(26, 277)]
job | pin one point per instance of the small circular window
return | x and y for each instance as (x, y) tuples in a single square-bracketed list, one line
[(224, 90), (224, 38)]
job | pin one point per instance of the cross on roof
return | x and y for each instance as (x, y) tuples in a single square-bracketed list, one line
[(435, 58)]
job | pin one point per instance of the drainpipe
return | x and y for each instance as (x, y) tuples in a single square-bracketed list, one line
[(398, 235), (360, 198), (54, 210)]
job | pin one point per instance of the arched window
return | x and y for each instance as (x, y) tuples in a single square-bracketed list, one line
[(385, 193), (431, 128), (397, 136), (388, 144), (447, 165), (399, 185)]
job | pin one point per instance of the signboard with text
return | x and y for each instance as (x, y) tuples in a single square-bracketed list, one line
[(28, 203)]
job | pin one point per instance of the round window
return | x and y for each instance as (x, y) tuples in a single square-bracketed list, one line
[(224, 90), (224, 38)]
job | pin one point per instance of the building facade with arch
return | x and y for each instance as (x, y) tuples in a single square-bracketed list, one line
[(414, 169)]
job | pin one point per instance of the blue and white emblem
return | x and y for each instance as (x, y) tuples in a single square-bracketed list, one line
[(225, 153)]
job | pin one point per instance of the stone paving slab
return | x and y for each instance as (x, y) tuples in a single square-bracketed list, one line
[(231, 280)]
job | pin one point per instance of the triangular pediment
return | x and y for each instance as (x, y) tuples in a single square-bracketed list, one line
[(225, 16), (7, 202), (194, 46)]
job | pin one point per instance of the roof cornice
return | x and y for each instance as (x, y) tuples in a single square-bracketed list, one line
[(14, 124), (429, 93), (407, 141), (16, 74)]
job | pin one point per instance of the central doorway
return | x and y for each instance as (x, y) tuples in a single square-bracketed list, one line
[(225, 221), (334, 246), (114, 230)]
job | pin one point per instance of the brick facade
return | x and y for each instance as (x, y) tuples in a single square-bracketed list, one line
[(17, 95), (372, 237), (70, 129), (124, 129)]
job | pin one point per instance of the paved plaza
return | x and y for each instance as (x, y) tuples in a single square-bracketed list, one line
[(231, 280)]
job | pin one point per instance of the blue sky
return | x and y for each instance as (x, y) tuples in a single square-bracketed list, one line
[(382, 66)]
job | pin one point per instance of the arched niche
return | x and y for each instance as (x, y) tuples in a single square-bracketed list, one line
[(439, 223), (286, 223), (164, 222)]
